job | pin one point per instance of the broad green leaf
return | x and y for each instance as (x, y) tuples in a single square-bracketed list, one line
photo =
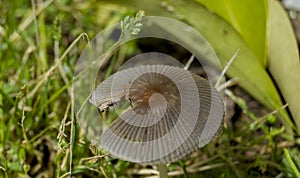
[(283, 62), (248, 18), (226, 41)]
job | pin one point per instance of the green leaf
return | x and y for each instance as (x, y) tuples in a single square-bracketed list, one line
[(291, 163), (284, 58), (22, 155), (248, 18), (226, 41)]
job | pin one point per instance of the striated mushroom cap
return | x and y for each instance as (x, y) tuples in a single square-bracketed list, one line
[(173, 113)]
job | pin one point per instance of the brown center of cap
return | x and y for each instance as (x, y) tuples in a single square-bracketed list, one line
[(153, 90)]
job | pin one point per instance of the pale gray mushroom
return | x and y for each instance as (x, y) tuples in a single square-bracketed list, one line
[(173, 113)]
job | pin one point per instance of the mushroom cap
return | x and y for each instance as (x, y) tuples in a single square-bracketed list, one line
[(174, 112)]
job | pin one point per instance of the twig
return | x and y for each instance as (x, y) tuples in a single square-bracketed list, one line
[(265, 117), (91, 158), (227, 84), (65, 175), (188, 64), (103, 172), (226, 68)]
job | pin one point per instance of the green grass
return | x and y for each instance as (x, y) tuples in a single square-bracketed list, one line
[(39, 135)]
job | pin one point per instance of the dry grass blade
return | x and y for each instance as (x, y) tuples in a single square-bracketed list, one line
[(29, 20), (47, 74), (226, 68)]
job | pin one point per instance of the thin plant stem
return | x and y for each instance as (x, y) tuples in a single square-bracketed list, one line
[(226, 68), (163, 171), (185, 173), (188, 64)]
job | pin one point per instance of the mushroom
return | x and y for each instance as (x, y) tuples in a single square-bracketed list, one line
[(173, 112)]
